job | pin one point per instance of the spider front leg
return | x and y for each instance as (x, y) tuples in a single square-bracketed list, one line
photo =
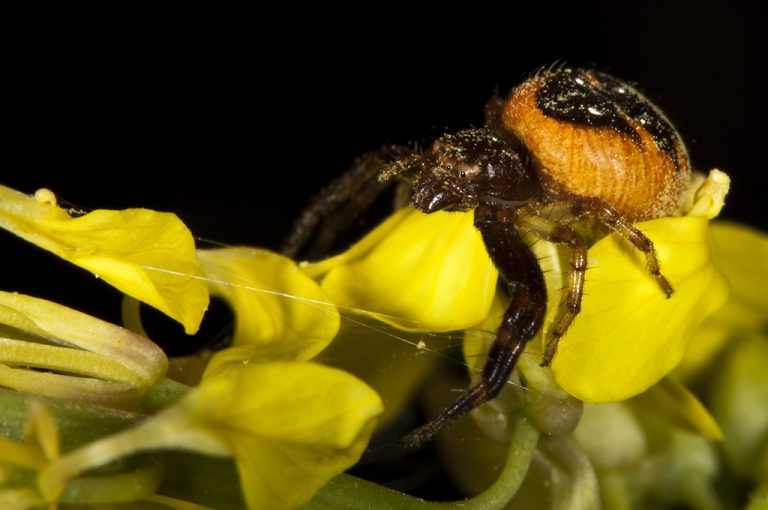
[(608, 216), (522, 320), (342, 201)]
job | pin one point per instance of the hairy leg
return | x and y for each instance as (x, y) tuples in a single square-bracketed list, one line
[(606, 215), (553, 230), (340, 203), (528, 219), (522, 320)]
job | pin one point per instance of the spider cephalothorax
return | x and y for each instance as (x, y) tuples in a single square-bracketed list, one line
[(465, 169), (570, 144)]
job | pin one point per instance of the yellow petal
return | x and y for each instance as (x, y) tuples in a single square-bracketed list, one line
[(39, 442), (681, 407), (416, 271), (392, 362), (146, 254), (20, 460), (292, 427), (280, 313), (740, 253), (706, 344), (628, 335), (14, 453)]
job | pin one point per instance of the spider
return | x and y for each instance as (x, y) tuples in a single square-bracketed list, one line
[(572, 144)]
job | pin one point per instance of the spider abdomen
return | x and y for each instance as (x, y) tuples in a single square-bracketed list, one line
[(592, 135)]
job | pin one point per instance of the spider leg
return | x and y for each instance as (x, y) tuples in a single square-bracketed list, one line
[(340, 203), (527, 218), (554, 231), (522, 320), (609, 217)]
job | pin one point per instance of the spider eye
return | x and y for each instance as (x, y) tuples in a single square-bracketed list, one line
[(449, 167), (462, 174)]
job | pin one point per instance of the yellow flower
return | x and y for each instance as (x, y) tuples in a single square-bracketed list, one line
[(146, 254), (680, 407), (290, 426), (628, 334), (415, 271), (280, 313)]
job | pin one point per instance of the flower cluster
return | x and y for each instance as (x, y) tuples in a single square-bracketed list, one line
[(90, 419), (99, 390)]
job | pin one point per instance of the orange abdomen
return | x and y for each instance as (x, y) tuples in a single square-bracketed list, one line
[(594, 136)]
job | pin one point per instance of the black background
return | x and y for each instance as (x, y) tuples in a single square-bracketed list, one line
[(232, 120)]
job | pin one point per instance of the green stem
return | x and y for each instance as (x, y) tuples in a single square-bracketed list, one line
[(613, 490), (347, 492), (138, 483), (573, 481), (163, 394), (204, 480), (77, 423)]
